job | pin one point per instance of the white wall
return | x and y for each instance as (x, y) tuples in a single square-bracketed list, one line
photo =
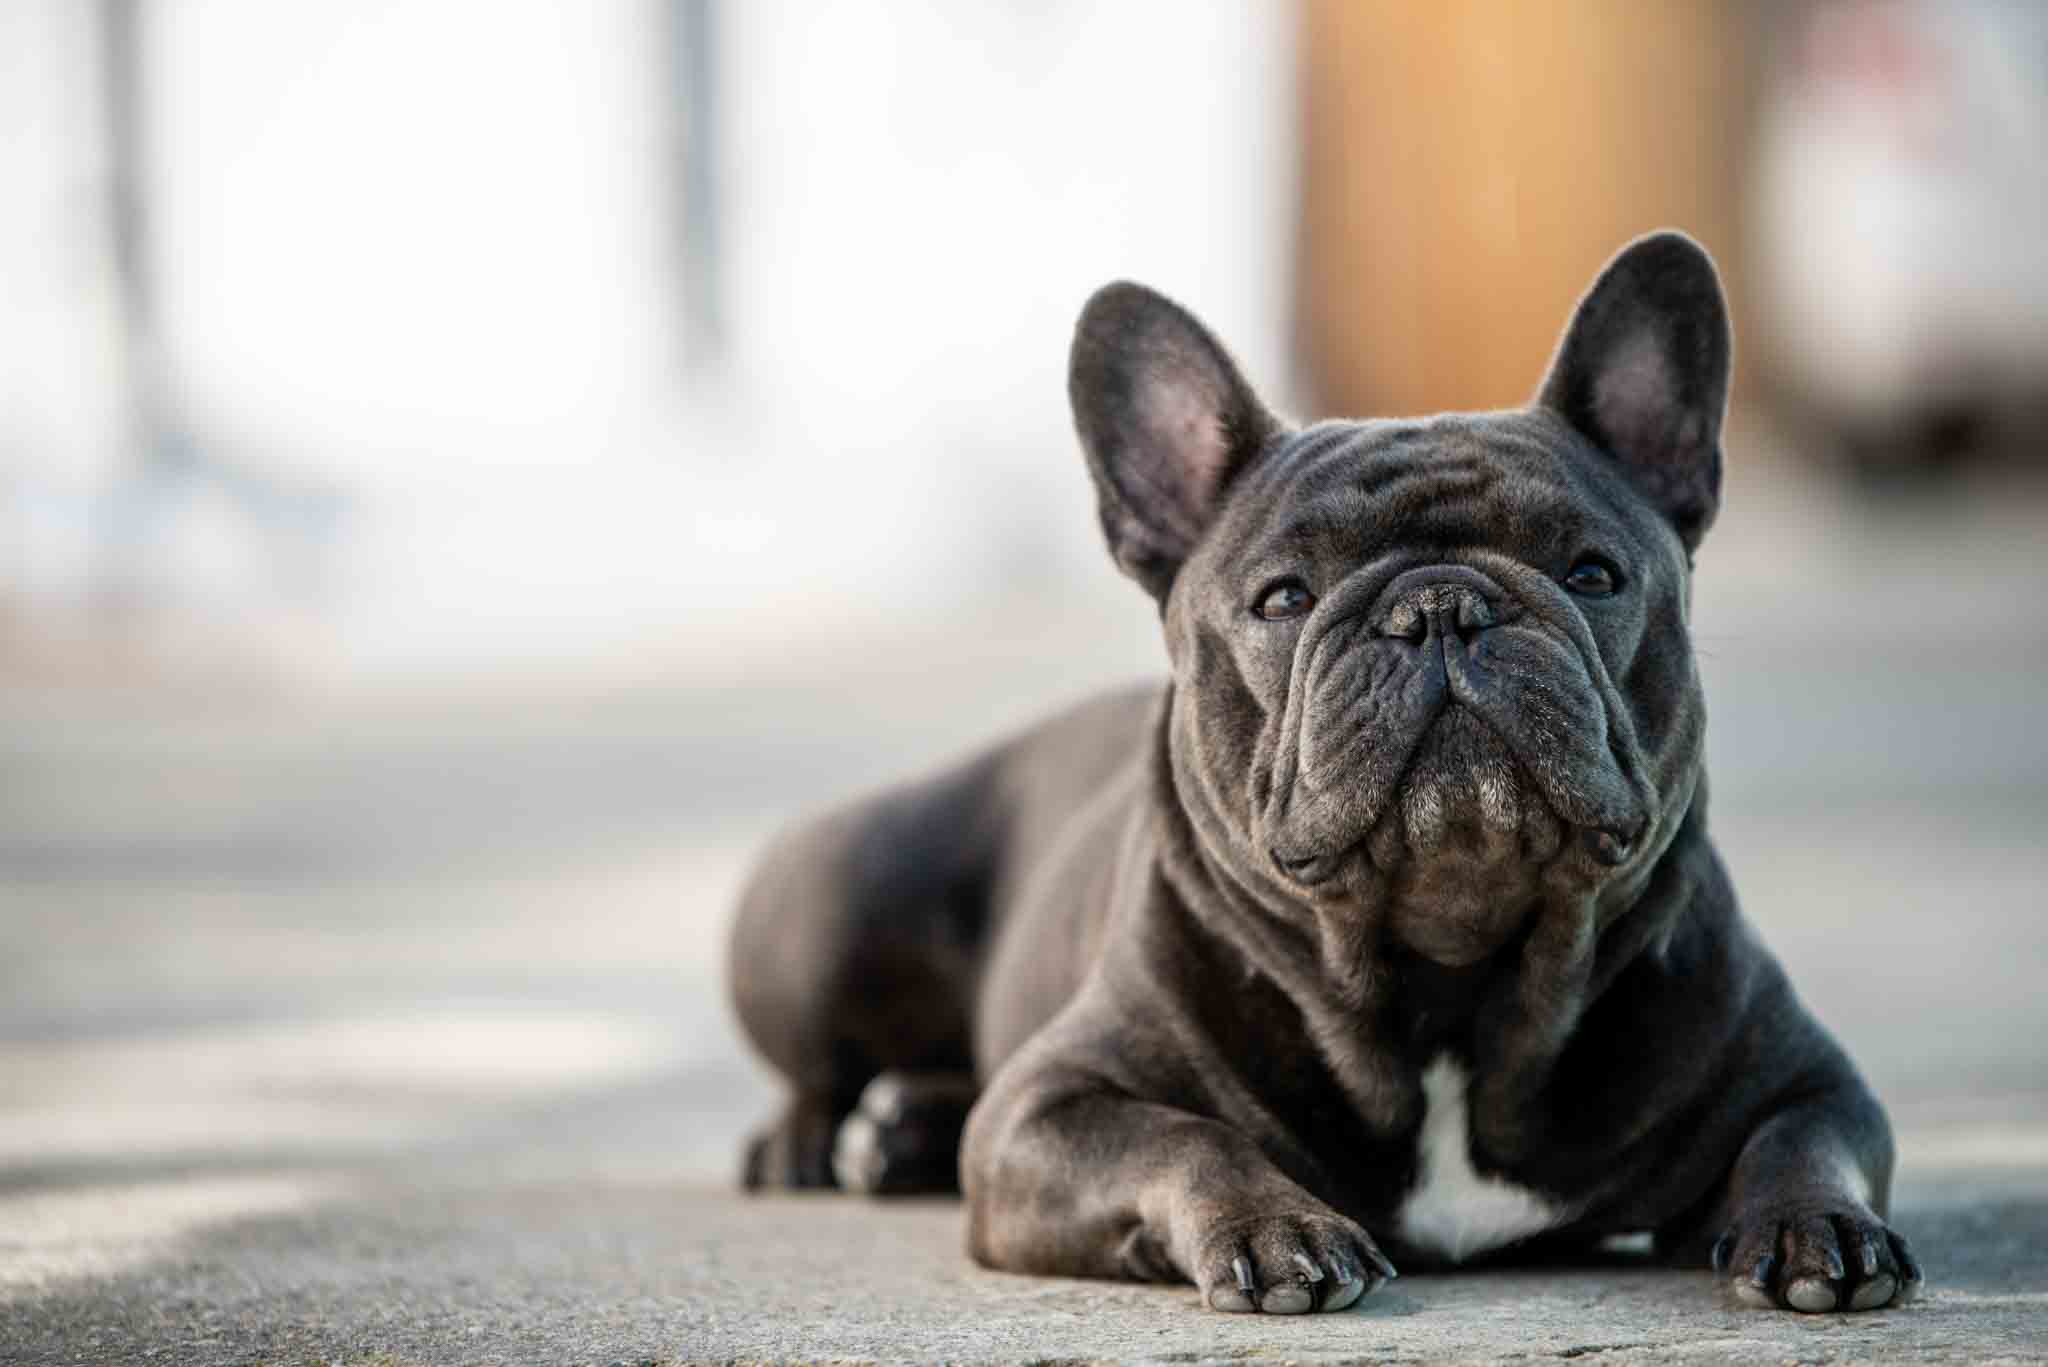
[(417, 250)]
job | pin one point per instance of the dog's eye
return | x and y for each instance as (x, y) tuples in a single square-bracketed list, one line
[(1593, 578), (1285, 599)]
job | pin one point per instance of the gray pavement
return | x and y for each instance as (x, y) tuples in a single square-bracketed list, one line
[(583, 1272), (390, 1027)]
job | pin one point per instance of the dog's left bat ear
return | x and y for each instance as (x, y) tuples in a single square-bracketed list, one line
[(1643, 372), (1167, 423)]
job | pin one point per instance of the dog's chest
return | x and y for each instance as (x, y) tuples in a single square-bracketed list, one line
[(1452, 1209)]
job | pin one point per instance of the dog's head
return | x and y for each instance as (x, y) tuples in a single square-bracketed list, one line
[(1435, 668)]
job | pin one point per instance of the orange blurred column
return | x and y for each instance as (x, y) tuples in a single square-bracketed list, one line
[(1468, 164)]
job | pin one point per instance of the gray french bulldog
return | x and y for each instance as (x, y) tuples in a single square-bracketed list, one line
[(1390, 925)]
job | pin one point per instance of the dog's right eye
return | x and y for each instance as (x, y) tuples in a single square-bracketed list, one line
[(1283, 600), (1593, 577)]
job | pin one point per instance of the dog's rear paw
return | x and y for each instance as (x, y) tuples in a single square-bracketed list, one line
[(1815, 1257), (1289, 1264), (903, 1138)]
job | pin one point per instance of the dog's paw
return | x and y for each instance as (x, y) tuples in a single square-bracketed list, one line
[(904, 1136), (1816, 1256), (1289, 1264)]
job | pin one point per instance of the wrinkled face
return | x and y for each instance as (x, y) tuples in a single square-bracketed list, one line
[(1429, 673), (1425, 666)]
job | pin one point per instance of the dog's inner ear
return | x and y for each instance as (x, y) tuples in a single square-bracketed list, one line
[(1643, 372), (1167, 423)]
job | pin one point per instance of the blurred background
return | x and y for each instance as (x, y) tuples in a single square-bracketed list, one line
[(468, 471)]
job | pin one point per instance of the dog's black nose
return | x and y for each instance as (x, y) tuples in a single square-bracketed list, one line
[(1446, 601)]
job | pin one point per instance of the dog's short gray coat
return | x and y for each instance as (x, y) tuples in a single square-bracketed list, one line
[(1389, 928)]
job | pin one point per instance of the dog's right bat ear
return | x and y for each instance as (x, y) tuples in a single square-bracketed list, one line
[(1167, 423)]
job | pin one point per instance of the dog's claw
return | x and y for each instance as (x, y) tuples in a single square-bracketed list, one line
[(1815, 1261), (1345, 1294), (1287, 1263), (1868, 1251), (1908, 1264)]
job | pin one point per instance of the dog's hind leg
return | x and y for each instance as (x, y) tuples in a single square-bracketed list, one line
[(855, 953), (796, 1150)]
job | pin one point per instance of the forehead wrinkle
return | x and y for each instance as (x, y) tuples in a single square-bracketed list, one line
[(1347, 459), (1305, 452), (1445, 483), (1335, 516), (1338, 478), (1495, 480), (1298, 474), (1593, 497)]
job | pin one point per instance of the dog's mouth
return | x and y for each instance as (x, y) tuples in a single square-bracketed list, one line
[(1465, 800)]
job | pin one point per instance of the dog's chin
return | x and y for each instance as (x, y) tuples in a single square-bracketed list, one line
[(1464, 846), (1450, 945), (1458, 895), (1467, 802)]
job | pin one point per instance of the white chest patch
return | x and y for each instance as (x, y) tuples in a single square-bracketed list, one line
[(1453, 1210)]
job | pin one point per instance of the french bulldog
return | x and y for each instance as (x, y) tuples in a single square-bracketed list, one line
[(1389, 927)]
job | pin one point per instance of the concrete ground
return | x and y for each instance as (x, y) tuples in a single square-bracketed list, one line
[(375, 1029), (636, 1271)]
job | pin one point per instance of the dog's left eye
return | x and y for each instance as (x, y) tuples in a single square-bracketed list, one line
[(1593, 578), (1283, 600)]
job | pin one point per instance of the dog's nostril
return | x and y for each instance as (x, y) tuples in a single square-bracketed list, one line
[(1475, 614), (1605, 846), (1407, 623), (1440, 609), (1309, 868), (1611, 846)]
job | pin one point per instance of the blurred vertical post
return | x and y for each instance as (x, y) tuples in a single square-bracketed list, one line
[(283, 522), (161, 451), (121, 93), (692, 87), (1469, 164), (121, 89)]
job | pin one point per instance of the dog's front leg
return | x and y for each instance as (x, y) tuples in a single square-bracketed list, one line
[(1065, 1174), (1803, 1223)]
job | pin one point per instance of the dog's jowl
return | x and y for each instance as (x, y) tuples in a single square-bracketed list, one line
[(1388, 930)]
